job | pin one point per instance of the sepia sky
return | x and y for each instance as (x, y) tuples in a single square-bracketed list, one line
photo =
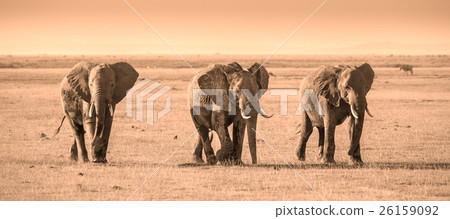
[(205, 26)]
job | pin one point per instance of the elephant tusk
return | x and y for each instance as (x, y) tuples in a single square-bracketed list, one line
[(91, 109), (266, 116), (368, 112), (111, 110), (263, 114), (353, 111), (244, 116)]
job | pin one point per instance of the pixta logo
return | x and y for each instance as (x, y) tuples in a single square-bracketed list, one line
[(145, 102), (213, 100)]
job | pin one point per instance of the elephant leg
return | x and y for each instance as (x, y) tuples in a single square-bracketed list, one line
[(306, 130), (226, 149), (329, 146), (79, 138), (357, 155), (74, 150), (238, 140), (89, 126), (197, 156), (321, 142), (78, 133), (206, 142)]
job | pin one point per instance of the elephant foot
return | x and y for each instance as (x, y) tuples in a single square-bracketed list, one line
[(231, 161), (100, 160), (85, 159), (320, 152), (300, 155), (197, 159), (227, 162), (223, 158), (328, 160), (319, 156), (355, 160), (301, 158), (73, 158), (212, 160), (238, 162)]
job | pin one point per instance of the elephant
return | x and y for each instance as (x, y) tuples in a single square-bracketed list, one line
[(235, 86), (341, 92), (407, 68), (89, 94)]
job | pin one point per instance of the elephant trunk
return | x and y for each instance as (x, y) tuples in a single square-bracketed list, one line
[(356, 136), (358, 104), (358, 109), (99, 103)]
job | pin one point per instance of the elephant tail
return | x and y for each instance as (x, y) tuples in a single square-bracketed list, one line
[(59, 128)]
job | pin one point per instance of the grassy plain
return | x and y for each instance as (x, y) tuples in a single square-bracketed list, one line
[(405, 146)]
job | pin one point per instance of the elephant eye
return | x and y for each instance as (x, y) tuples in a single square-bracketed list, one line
[(347, 87)]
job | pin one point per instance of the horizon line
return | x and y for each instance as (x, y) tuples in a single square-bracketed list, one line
[(229, 54)]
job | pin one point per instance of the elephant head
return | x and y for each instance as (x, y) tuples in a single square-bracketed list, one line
[(354, 84), (103, 86), (222, 78), (253, 82), (350, 84)]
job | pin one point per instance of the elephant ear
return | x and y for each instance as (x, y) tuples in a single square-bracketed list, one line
[(262, 77), (325, 84), (78, 79), (126, 76), (232, 68), (368, 75), (215, 78)]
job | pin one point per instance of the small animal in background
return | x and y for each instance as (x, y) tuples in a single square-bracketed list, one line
[(405, 69)]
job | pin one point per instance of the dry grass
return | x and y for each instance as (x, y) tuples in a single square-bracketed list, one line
[(405, 146)]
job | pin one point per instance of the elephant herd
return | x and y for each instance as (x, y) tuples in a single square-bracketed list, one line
[(220, 96)]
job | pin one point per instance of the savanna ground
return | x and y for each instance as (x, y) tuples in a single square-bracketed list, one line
[(405, 146)]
